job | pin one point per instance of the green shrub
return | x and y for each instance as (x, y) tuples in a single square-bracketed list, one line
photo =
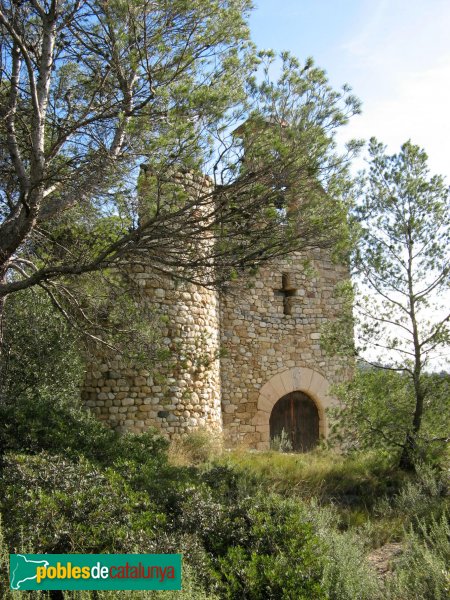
[(277, 576), (33, 423), (260, 546), (5, 592), (40, 371), (40, 354), (60, 506), (376, 413), (4, 562), (229, 484), (424, 496), (197, 447), (192, 589), (281, 443), (347, 574), (58, 424), (277, 554), (422, 571)]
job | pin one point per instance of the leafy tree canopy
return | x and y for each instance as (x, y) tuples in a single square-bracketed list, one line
[(91, 90), (401, 266)]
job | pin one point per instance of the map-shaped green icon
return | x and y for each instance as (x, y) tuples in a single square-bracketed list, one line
[(23, 569)]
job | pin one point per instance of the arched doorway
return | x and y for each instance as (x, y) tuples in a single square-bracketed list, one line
[(297, 414)]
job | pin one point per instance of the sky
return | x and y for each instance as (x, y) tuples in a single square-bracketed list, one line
[(395, 54)]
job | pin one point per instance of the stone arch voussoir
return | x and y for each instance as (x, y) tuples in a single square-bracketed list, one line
[(299, 379)]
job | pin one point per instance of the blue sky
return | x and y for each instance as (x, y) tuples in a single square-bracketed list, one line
[(394, 53)]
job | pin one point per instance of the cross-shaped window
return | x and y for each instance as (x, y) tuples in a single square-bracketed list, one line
[(288, 291)]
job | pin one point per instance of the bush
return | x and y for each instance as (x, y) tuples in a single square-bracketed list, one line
[(40, 421), (192, 590), (40, 372), (60, 506), (422, 571), (347, 574), (40, 353), (422, 497), (260, 546), (41, 369), (55, 424), (281, 443), (195, 448), (376, 413)]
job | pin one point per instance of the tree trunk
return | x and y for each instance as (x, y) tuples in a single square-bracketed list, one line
[(409, 452), (2, 314)]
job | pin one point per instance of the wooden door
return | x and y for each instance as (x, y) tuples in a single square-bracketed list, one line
[(297, 414)]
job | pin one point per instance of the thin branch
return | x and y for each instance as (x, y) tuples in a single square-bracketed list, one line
[(382, 319), (386, 368), (73, 323), (438, 328), (381, 432), (28, 62), (13, 145), (433, 285)]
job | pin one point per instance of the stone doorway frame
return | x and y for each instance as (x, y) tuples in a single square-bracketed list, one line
[(297, 379)]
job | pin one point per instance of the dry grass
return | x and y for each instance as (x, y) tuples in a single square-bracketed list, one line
[(322, 474), (199, 447)]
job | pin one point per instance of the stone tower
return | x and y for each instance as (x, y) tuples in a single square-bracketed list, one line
[(274, 372), (182, 393), (246, 363)]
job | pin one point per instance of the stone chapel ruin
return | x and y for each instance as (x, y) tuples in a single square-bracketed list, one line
[(246, 363)]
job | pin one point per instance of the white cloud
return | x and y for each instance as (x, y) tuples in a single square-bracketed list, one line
[(418, 109), (370, 27), (399, 65)]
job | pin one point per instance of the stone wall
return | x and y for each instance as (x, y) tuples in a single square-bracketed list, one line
[(267, 353), (229, 359), (182, 392)]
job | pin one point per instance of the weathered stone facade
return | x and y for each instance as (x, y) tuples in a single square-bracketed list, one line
[(182, 393), (231, 356), (268, 354)]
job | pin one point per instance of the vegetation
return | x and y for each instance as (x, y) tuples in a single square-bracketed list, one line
[(375, 413), (402, 258), (90, 93), (261, 526), (116, 98), (401, 276), (256, 525), (251, 525)]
